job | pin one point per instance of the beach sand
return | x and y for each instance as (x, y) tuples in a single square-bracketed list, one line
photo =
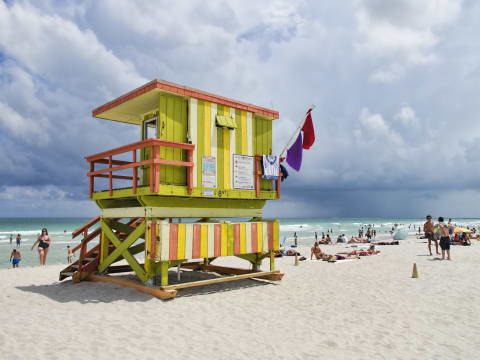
[(363, 309)]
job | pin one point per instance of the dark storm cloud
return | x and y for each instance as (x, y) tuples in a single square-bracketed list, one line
[(395, 87)]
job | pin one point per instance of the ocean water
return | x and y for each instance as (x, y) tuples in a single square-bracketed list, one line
[(60, 230)]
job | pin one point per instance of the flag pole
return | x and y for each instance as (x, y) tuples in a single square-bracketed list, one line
[(296, 131)]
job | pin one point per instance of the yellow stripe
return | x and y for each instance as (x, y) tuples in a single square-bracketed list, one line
[(203, 240), (207, 132), (181, 241), (213, 137), (259, 237), (244, 132), (224, 240), (249, 134), (243, 240)]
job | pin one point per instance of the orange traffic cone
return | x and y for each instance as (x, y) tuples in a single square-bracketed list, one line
[(415, 272)]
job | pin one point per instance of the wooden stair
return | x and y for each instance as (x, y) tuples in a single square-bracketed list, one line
[(88, 260)]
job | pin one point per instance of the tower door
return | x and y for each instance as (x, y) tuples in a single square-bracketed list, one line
[(149, 131), (173, 126)]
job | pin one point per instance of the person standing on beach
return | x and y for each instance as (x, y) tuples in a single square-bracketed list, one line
[(11, 239), (442, 231), (428, 228), (15, 258), (19, 240), (44, 242), (69, 254)]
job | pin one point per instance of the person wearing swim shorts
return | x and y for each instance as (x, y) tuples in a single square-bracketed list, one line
[(43, 242), (19, 240), (428, 228), (15, 258), (442, 231)]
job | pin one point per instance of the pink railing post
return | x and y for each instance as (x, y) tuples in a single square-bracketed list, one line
[(152, 185), (110, 183), (92, 178), (134, 180), (190, 172), (157, 168)]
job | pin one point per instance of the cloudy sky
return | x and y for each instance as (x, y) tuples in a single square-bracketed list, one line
[(396, 85)]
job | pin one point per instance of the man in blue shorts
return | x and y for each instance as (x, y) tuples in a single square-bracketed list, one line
[(15, 258)]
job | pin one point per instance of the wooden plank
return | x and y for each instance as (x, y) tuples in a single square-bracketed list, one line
[(154, 291), (219, 280)]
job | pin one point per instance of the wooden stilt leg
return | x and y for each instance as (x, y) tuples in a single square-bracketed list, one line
[(272, 260), (164, 273)]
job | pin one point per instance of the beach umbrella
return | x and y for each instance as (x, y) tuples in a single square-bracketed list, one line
[(461, 230)]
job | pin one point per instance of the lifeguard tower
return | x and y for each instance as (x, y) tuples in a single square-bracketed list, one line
[(198, 159)]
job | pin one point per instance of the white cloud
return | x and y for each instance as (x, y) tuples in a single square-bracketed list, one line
[(406, 115), (406, 32), (30, 130), (30, 193)]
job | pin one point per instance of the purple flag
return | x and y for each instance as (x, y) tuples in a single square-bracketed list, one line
[(294, 154)]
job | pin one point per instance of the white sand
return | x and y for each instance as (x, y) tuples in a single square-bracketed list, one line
[(370, 308)]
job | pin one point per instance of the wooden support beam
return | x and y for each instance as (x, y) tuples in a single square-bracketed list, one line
[(158, 293), (122, 248), (262, 274)]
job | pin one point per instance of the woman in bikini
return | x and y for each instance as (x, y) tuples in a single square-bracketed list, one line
[(43, 244)]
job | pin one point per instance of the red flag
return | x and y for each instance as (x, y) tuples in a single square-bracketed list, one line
[(308, 132)]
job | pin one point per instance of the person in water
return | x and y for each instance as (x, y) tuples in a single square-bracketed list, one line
[(15, 258), (19, 240), (43, 242)]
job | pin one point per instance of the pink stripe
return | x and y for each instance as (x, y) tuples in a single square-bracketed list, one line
[(236, 239), (218, 240), (270, 235), (254, 238), (196, 241), (173, 241)]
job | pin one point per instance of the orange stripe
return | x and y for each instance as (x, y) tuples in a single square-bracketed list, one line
[(254, 238), (173, 241), (236, 238), (217, 240), (196, 241), (270, 235)]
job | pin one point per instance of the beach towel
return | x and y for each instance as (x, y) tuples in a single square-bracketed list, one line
[(271, 167)]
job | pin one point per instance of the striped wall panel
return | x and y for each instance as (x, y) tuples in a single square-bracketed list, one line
[(206, 240)]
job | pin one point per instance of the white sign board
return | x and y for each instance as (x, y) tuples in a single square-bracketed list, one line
[(243, 177), (209, 172)]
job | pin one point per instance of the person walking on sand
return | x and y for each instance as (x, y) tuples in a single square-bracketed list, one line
[(428, 228), (15, 258), (44, 242), (69, 254), (19, 240), (442, 231)]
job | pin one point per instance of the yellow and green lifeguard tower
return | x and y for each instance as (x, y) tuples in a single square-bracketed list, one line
[(176, 195)]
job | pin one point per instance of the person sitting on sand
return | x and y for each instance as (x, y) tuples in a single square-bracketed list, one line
[(464, 241), (320, 255), (327, 240), (15, 258), (395, 242)]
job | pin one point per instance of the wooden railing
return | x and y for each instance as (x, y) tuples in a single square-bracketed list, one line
[(258, 175), (154, 163)]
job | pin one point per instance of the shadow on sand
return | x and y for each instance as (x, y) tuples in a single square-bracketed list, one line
[(93, 292)]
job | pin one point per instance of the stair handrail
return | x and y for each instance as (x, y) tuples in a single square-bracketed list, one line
[(84, 227)]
